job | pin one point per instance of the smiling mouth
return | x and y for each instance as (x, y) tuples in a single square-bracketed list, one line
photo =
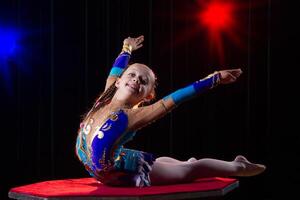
[(134, 88)]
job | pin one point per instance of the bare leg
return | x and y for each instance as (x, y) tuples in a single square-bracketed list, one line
[(173, 160), (178, 171)]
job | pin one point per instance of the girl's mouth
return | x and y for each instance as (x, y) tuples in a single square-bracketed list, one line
[(134, 87)]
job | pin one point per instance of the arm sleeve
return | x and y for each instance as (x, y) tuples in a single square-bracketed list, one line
[(194, 89), (143, 116), (118, 67)]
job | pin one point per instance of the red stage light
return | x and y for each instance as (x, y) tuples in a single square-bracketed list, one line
[(217, 15)]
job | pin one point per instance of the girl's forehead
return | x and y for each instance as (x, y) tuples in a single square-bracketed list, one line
[(141, 69), (144, 70)]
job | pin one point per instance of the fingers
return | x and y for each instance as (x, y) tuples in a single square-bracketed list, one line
[(139, 46), (235, 72), (135, 43), (138, 40), (232, 77)]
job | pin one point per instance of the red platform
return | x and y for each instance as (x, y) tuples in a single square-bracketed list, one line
[(89, 188)]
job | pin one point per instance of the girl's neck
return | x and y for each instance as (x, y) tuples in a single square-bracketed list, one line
[(116, 103)]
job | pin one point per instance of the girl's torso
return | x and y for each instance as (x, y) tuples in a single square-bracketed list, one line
[(93, 123)]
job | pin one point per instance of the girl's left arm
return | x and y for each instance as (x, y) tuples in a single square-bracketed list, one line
[(142, 116)]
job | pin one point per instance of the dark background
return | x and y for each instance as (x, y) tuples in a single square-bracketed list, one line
[(67, 49)]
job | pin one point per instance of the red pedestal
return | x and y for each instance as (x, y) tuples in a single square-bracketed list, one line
[(89, 188)]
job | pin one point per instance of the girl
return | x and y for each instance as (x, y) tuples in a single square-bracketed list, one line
[(119, 112)]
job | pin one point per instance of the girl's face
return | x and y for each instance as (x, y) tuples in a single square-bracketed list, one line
[(136, 83)]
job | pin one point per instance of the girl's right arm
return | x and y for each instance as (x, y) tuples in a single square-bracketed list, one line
[(121, 62)]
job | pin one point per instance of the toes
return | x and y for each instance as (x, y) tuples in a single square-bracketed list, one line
[(247, 168), (250, 169)]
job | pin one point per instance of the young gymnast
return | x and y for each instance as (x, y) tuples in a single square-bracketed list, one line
[(119, 112)]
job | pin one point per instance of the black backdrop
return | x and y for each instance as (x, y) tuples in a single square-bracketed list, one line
[(67, 50)]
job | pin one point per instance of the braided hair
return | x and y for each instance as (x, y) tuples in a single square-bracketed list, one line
[(103, 99)]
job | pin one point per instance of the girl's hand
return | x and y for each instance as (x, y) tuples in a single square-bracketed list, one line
[(135, 43), (229, 75)]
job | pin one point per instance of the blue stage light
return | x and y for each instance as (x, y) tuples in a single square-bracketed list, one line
[(8, 44), (9, 52)]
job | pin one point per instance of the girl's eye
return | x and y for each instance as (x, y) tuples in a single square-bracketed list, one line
[(144, 82), (131, 74)]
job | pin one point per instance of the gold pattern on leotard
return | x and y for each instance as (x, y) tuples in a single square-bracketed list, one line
[(102, 161), (87, 129), (113, 117)]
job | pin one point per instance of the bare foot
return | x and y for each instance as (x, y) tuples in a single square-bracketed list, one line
[(248, 168)]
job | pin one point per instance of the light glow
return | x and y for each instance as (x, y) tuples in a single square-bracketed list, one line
[(8, 41), (217, 16)]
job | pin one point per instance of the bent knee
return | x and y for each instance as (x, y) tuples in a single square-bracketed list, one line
[(192, 159)]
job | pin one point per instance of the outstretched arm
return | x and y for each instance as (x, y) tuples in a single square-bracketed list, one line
[(121, 62), (145, 115), (209, 82)]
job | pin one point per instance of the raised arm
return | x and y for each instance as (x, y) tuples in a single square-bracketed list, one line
[(121, 62), (148, 114)]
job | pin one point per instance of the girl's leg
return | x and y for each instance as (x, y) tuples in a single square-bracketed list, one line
[(179, 172), (173, 160)]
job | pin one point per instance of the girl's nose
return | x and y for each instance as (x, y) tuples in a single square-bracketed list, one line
[(135, 79)]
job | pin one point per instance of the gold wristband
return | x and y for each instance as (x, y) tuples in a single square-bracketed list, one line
[(216, 79), (127, 48)]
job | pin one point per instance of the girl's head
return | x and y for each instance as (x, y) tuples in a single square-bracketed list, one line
[(136, 85)]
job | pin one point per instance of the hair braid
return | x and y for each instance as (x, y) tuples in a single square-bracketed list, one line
[(102, 100)]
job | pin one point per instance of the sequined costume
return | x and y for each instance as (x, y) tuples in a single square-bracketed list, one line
[(101, 138)]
